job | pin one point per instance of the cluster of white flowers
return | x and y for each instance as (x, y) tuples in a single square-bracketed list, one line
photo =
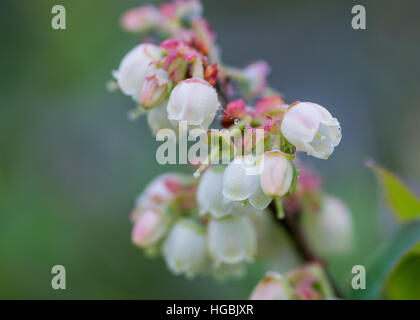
[(164, 222), (192, 100), (207, 226)]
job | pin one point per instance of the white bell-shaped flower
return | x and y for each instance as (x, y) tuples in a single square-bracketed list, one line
[(185, 249), (311, 128), (135, 67), (272, 287), (276, 174), (232, 240), (329, 231), (241, 182), (210, 197), (195, 101)]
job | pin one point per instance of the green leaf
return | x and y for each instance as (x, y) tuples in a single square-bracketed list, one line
[(387, 258), (403, 282), (400, 198)]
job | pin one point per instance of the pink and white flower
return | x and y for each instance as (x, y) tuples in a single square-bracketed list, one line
[(135, 67), (276, 174), (141, 19), (149, 228), (311, 128), (195, 101)]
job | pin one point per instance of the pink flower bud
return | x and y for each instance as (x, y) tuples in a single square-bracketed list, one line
[(155, 89), (270, 107), (272, 287), (276, 174), (256, 75), (141, 19), (236, 109), (149, 228)]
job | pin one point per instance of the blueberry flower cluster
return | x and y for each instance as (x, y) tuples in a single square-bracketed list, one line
[(206, 223), (166, 222)]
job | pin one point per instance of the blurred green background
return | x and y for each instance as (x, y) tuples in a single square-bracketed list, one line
[(71, 164)]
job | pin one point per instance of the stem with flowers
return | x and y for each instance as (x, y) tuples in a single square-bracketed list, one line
[(212, 222), (289, 221)]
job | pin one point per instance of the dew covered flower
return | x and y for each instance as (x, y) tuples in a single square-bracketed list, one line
[(273, 287), (149, 227), (195, 101), (232, 240), (329, 231), (185, 248), (276, 174), (210, 197), (241, 182), (135, 67), (311, 128)]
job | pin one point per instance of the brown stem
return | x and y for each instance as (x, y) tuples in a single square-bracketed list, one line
[(290, 225)]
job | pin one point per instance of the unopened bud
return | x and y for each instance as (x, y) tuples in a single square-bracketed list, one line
[(149, 228), (276, 174)]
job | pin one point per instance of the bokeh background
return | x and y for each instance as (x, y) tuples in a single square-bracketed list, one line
[(71, 164)]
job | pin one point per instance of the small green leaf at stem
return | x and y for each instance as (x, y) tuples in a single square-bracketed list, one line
[(404, 203), (386, 258)]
